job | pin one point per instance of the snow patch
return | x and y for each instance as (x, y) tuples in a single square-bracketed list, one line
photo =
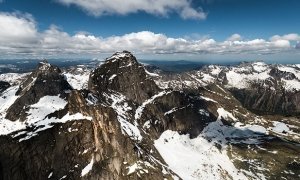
[(121, 107), (116, 56), (132, 168), (87, 168), (147, 124), (50, 175), (112, 77), (77, 81), (280, 127), (46, 105), (140, 167), (151, 74), (225, 114), (13, 78), (259, 66), (291, 85), (207, 99), (203, 112)]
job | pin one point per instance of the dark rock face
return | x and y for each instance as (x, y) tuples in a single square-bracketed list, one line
[(122, 73), (176, 111), (45, 80), (276, 73), (265, 101), (3, 86)]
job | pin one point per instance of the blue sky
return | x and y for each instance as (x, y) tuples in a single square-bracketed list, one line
[(177, 29)]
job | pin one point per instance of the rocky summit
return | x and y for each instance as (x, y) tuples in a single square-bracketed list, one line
[(126, 120)]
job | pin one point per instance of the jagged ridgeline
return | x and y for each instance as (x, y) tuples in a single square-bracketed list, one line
[(123, 120)]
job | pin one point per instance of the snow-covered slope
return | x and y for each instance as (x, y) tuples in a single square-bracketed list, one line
[(77, 77), (241, 76)]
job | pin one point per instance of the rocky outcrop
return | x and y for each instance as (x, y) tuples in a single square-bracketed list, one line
[(122, 73), (176, 111), (277, 74), (3, 86)]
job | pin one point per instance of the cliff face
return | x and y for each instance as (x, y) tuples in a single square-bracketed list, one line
[(68, 148), (263, 101)]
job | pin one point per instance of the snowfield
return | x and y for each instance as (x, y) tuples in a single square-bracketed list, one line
[(200, 158), (194, 159)]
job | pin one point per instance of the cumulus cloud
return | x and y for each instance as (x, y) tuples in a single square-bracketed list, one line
[(123, 7), (16, 26), (20, 37), (235, 37), (288, 37)]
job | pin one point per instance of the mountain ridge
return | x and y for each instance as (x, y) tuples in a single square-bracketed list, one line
[(128, 122)]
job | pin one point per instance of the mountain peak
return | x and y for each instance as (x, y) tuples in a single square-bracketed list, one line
[(44, 66), (124, 58), (43, 72), (122, 73), (45, 80)]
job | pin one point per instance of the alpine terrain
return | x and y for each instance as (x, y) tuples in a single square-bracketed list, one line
[(125, 120)]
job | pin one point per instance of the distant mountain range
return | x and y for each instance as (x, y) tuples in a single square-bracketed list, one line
[(176, 66)]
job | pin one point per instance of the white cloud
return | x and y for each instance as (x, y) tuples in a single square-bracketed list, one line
[(123, 7), (234, 37), (15, 27), (190, 13), (289, 37), (282, 43), (20, 37)]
